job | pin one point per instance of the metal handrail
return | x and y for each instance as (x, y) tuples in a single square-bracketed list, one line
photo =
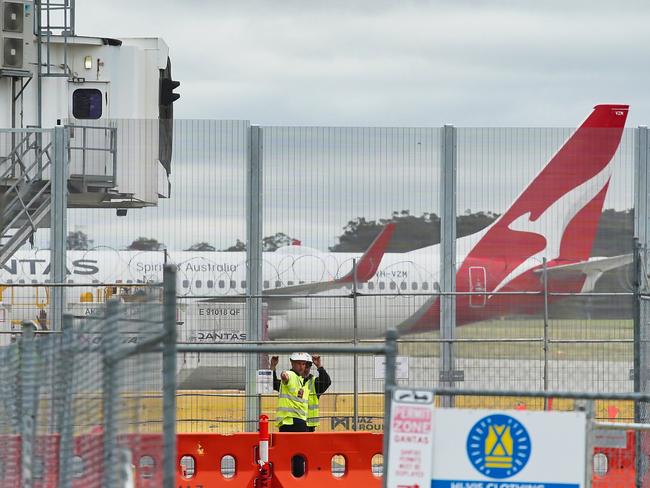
[(111, 148)]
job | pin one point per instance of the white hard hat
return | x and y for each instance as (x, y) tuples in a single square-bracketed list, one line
[(300, 356)]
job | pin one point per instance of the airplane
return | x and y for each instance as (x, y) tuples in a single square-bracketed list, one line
[(307, 292)]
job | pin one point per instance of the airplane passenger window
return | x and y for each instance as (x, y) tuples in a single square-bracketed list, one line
[(95, 281), (360, 286), (278, 284), (23, 281), (425, 285), (402, 285), (186, 284), (221, 284), (243, 284), (289, 283), (210, 284), (233, 284), (198, 283), (371, 286), (414, 286), (87, 103), (393, 285), (382, 285), (266, 284), (129, 281), (34, 281)]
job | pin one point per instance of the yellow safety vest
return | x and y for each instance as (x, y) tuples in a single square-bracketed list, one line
[(313, 412), (292, 401)]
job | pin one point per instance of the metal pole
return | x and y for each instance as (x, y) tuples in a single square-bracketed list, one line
[(545, 284), (58, 226), (448, 258), (169, 378), (640, 307), (355, 357), (64, 422), (389, 386), (253, 270), (28, 421), (588, 408), (638, 365), (39, 67), (110, 342)]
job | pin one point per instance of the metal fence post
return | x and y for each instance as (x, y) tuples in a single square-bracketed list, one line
[(253, 270), (110, 342), (28, 421), (169, 378), (355, 357), (447, 259), (389, 387), (588, 407), (59, 229), (66, 404), (546, 343), (640, 307)]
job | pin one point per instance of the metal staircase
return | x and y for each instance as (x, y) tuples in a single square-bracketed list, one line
[(26, 198)]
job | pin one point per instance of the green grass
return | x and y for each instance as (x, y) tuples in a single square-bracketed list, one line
[(609, 331)]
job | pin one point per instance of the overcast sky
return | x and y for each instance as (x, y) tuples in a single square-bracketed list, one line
[(372, 63), (394, 63)]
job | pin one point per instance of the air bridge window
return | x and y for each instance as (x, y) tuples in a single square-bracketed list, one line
[(87, 103)]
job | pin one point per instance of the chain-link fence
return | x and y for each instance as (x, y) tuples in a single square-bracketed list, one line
[(87, 406)]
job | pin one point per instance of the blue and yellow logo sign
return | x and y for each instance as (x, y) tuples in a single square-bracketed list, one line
[(498, 446)]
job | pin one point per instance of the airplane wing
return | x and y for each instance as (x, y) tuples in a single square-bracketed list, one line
[(367, 266), (596, 265)]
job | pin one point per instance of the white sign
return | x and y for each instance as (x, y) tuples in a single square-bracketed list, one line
[(411, 439), (514, 449), (264, 381), (401, 367)]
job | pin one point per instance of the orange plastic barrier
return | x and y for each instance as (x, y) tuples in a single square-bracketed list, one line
[(146, 457), (207, 451), (619, 464), (357, 448)]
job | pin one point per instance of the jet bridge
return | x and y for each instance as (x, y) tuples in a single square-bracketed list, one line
[(113, 96)]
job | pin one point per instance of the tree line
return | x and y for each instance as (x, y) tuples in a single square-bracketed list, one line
[(412, 232)]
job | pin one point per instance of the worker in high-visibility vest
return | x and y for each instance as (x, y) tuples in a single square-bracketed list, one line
[(317, 386), (294, 395)]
